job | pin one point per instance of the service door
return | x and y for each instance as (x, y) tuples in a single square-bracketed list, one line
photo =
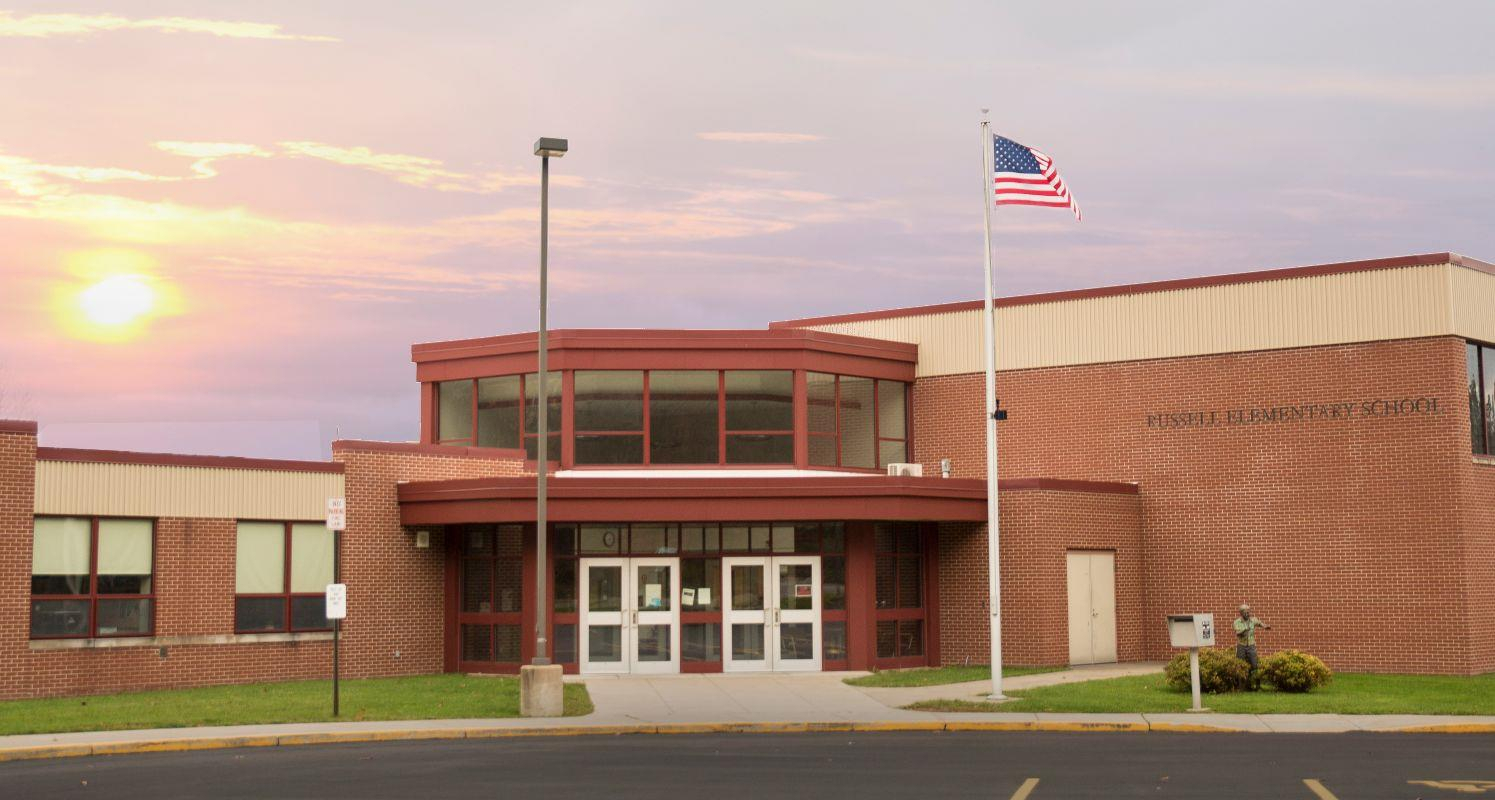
[(796, 613), (746, 614), (604, 615), (654, 629), (1092, 606)]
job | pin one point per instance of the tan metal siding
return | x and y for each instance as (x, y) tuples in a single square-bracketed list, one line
[(1473, 299), (1297, 312), (66, 487)]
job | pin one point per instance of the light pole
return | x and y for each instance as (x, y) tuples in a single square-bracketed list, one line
[(540, 692)]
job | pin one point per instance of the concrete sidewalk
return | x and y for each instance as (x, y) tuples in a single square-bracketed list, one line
[(733, 703)]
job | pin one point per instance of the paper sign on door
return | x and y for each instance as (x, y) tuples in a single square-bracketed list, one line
[(653, 595), (802, 589), (703, 596), (688, 596)]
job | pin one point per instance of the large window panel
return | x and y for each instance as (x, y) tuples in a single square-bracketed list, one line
[(498, 412), (59, 555), (760, 448), (820, 395), (683, 416), (1487, 360), (1477, 437), (259, 566), (124, 556), (532, 415), (760, 400), (454, 411), (858, 439), (609, 400), (311, 558)]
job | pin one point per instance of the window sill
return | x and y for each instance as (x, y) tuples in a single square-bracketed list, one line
[(178, 641), (1487, 460)]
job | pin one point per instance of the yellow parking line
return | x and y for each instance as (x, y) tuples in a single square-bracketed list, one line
[(1318, 789), (1025, 790)]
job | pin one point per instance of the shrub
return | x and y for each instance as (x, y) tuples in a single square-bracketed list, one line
[(1219, 671), (1295, 671)]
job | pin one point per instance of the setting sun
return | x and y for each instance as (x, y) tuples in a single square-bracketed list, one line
[(119, 300)]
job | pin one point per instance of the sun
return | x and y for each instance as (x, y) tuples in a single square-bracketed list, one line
[(117, 301)]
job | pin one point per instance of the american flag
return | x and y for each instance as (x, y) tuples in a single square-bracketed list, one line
[(1026, 177)]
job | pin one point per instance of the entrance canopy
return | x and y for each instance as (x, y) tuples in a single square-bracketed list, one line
[(706, 499)]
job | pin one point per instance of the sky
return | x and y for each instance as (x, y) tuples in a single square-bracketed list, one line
[(222, 225)]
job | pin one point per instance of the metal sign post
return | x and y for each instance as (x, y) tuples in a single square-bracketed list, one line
[(337, 592)]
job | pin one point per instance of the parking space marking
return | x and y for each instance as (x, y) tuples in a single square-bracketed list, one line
[(1463, 787), (1318, 789), (1025, 790)]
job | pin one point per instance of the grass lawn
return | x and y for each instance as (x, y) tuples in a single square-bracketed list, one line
[(936, 676), (418, 697), (1349, 693)]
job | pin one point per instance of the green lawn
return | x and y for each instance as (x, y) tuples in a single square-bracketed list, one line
[(936, 676), (419, 697), (1349, 693)]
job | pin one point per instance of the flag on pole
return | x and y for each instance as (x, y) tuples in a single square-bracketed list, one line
[(1027, 177)]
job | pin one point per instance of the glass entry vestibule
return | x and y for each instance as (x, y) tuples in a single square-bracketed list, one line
[(696, 597)]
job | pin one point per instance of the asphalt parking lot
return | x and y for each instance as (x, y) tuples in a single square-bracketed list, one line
[(1034, 766)]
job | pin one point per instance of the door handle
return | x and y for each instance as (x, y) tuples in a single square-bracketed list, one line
[(635, 618)]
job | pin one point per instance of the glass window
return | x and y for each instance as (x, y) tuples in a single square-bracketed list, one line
[(593, 448), (599, 539), (760, 400), (857, 437), (1487, 362), (498, 412), (701, 584), (683, 417), (276, 593), (454, 411), (609, 400), (92, 577), (1476, 401), (892, 423), (760, 448), (532, 415), (701, 642)]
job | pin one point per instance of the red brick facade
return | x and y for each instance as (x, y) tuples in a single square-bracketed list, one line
[(395, 607), (1365, 539), (1038, 529)]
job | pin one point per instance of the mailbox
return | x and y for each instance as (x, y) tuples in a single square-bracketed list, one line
[(1191, 630)]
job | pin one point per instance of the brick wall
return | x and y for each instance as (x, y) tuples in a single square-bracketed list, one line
[(1356, 538), (395, 606), (1478, 554), (395, 592), (1039, 528)]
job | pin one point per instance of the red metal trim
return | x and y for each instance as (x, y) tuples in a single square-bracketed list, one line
[(564, 340), (452, 652), (930, 540), (801, 420), (18, 426), (456, 451), (83, 456), (861, 588), (428, 412), (1259, 276)]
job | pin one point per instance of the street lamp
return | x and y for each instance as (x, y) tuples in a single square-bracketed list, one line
[(540, 692)]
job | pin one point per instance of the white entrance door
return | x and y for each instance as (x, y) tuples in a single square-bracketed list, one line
[(771, 618), (604, 615), (630, 618), (1092, 606), (655, 620)]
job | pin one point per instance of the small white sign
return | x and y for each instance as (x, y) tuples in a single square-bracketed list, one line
[(337, 601), (1204, 628), (337, 514)]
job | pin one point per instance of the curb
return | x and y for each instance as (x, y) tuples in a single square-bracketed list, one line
[(356, 737)]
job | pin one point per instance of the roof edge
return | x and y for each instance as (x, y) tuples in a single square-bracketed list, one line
[(449, 450), (18, 426)]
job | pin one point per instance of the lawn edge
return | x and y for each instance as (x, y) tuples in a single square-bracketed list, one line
[(36, 752)]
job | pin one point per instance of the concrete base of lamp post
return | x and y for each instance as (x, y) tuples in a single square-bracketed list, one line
[(541, 692)]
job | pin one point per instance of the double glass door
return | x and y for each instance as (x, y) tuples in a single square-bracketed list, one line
[(771, 620), (630, 619)]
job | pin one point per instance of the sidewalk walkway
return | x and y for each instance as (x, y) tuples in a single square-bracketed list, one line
[(731, 703)]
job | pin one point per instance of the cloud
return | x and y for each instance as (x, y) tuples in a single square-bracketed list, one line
[(761, 137), (33, 179), (40, 26), (208, 152), (420, 171)]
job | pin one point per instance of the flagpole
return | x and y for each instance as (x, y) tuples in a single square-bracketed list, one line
[(989, 334)]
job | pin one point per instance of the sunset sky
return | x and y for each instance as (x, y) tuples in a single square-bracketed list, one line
[(223, 224)]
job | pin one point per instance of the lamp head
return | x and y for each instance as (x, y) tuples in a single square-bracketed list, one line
[(547, 147)]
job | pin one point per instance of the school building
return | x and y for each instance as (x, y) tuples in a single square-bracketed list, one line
[(1319, 441)]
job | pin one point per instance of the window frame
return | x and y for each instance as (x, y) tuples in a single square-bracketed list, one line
[(285, 578), (1483, 416), (876, 411), (92, 596), (471, 440)]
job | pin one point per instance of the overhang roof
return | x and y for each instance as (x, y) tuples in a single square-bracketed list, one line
[(707, 499)]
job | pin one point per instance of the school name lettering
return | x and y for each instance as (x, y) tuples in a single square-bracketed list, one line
[(1288, 414)]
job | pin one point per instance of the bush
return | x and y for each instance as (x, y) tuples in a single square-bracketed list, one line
[(1219, 671), (1295, 671)]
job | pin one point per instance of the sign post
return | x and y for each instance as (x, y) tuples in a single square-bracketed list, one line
[(1192, 631), (337, 592)]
